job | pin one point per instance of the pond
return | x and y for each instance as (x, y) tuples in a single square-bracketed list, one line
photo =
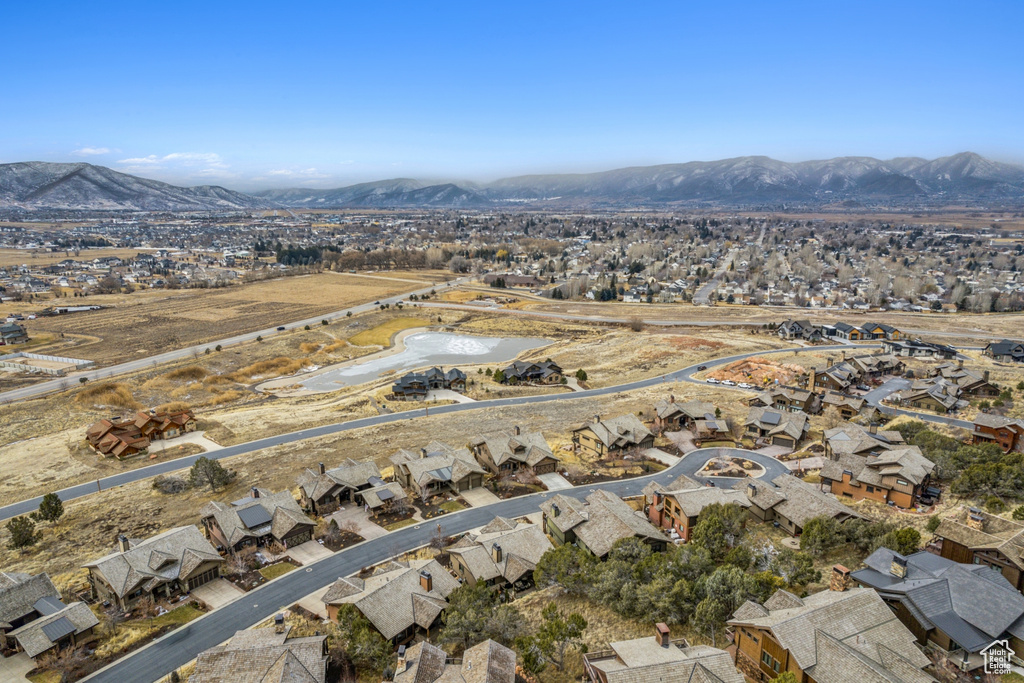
[(423, 350)]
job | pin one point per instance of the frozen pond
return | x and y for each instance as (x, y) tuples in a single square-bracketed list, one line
[(427, 349)]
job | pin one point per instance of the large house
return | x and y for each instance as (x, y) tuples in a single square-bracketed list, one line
[(324, 491), (970, 382), (1005, 432), (501, 554), (679, 508), (775, 427), (957, 608), (119, 439), (937, 394), (34, 618), (660, 658), (437, 469), (973, 536), (176, 561), (540, 372), (852, 438), (414, 386), (264, 655), (597, 524), (670, 416), (791, 502), (881, 331), (399, 598), (841, 635), (1005, 351), (12, 333), (515, 450), (799, 329), (486, 662), (602, 437), (165, 425), (899, 476), (788, 399), (847, 406), (919, 349), (261, 518)]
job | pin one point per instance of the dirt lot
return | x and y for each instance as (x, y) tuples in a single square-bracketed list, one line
[(149, 322)]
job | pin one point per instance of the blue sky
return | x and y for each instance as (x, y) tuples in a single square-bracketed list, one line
[(254, 95)]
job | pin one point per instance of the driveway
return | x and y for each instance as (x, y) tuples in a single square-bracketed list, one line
[(554, 481), (683, 440), (308, 552), (661, 456), (14, 668), (313, 602), (364, 525), (217, 593), (448, 395), (479, 497), (774, 451)]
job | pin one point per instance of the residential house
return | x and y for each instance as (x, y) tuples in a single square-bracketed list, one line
[(852, 438), (437, 469), (264, 655), (670, 416), (34, 618), (176, 561), (618, 434), (398, 598), (383, 497), (58, 626), (12, 333), (414, 386), (790, 502), (881, 331), (165, 425), (259, 519), (918, 349), (1005, 432), (799, 329), (503, 553), (970, 382), (513, 451), (841, 635), (776, 428), (789, 399), (1005, 351), (848, 332), (119, 439), (958, 609), (598, 523), (678, 509), (712, 428), (324, 491), (898, 476), (540, 372), (848, 406), (937, 394), (973, 536), (486, 662), (660, 658)]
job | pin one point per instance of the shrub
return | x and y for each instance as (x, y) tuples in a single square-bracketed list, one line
[(323, 322), (217, 347), (933, 523), (23, 533), (994, 504), (1018, 512)]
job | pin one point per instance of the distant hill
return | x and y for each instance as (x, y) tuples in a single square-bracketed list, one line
[(744, 181), (41, 185)]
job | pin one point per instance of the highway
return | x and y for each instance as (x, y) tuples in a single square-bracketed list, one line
[(62, 383), (181, 646)]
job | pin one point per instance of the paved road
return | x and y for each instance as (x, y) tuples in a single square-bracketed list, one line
[(133, 366), (875, 396), (182, 645), (684, 374), (702, 297), (80, 490)]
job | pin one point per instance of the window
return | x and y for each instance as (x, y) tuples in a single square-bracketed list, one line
[(871, 489), (770, 662)]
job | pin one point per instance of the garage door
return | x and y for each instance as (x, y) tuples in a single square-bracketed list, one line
[(783, 441)]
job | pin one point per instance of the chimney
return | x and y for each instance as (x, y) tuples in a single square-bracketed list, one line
[(496, 552), (662, 634), (122, 543), (873, 428), (671, 398), (255, 492), (555, 510), (810, 379), (975, 519), (844, 355), (279, 623), (840, 580), (515, 430), (829, 361), (960, 363), (984, 375), (597, 418), (402, 664), (751, 490), (323, 469), (426, 581), (423, 452), (898, 567)]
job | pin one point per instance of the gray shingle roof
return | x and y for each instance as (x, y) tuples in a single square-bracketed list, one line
[(20, 592), (521, 544), (618, 432), (794, 499), (263, 656), (40, 635)]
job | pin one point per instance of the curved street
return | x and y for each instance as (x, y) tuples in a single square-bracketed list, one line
[(682, 375), (182, 645)]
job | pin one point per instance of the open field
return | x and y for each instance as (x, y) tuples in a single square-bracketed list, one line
[(146, 323), (35, 258)]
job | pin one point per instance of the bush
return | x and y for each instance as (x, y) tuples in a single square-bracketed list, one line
[(933, 523), (50, 508), (217, 347), (994, 504), (306, 328), (324, 323), (23, 533), (820, 535), (259, 338), (1018, 512)]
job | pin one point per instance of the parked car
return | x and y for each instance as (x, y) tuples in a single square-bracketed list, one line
[(744, 385), (728, 383), (711, 380), (703, 367), (281, 328), (864, 387)]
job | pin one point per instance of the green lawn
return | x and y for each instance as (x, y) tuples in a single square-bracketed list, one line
[(276, 570), (398, 525), (452, 506), (45, 677)]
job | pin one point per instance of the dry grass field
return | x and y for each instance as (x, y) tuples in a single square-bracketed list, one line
[(35, 258), (146, 323)]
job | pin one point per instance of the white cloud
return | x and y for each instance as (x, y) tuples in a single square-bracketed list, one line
[(152, 159), (177, 165), (92, 151), (303, 173)]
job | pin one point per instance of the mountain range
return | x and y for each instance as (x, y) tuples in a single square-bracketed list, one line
[(965, 178)]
